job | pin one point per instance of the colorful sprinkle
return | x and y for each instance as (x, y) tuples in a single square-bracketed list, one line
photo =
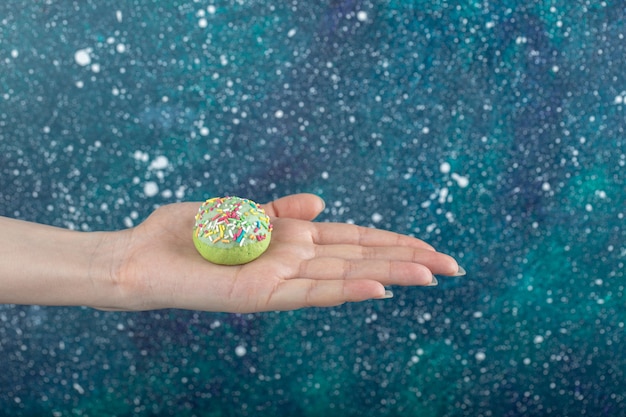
[(232, 220)]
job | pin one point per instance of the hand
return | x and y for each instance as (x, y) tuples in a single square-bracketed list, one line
[(306, 264)]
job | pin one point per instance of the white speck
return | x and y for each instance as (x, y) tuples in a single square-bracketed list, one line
[(325, 175), (150, 188), (520, 40), (180, 192), (80, 84), (460, 180), (203, 23), (78, 388), (211, 9), (204, 131), (15, 53), (538, 339), (527, 361), (118, 16), (160, 162), (545, 186), (141, 156), (480, 356), (95, 68), (478, 314), (120, 48), (279, 114), (445, 168), (588, 207), (240, 351), (443, 195), (361, 16), (83, 57), (291, 33), (377, 217)]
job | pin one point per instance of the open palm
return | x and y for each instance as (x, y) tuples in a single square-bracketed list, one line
[(306, 264)]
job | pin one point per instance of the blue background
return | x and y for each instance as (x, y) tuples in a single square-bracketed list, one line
[(493, 130)]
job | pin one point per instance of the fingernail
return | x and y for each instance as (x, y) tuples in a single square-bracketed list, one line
[(388, 294), (434, 282), (460, 272), (323, 203)]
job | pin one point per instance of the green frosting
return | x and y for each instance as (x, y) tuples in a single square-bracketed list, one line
[(231, 230)]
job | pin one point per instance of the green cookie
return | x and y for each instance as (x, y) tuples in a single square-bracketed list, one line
[(231, 230)]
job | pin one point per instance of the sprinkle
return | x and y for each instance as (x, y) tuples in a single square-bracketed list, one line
[(232, 220)]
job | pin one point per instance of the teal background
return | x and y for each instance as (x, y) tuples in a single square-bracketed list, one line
[(493, 130)]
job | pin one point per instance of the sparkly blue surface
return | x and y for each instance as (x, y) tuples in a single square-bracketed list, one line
[(493, 130)]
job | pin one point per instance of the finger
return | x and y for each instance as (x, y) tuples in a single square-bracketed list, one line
[(438, 263), (385, 272), (341, 233), (297, 206), (299, 293)]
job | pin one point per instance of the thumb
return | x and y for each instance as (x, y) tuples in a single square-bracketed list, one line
[(296, 206)]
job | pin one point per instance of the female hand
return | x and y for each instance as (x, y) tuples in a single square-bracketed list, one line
[(155, 265)]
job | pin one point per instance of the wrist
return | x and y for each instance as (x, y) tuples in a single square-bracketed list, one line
[(107, 251)]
